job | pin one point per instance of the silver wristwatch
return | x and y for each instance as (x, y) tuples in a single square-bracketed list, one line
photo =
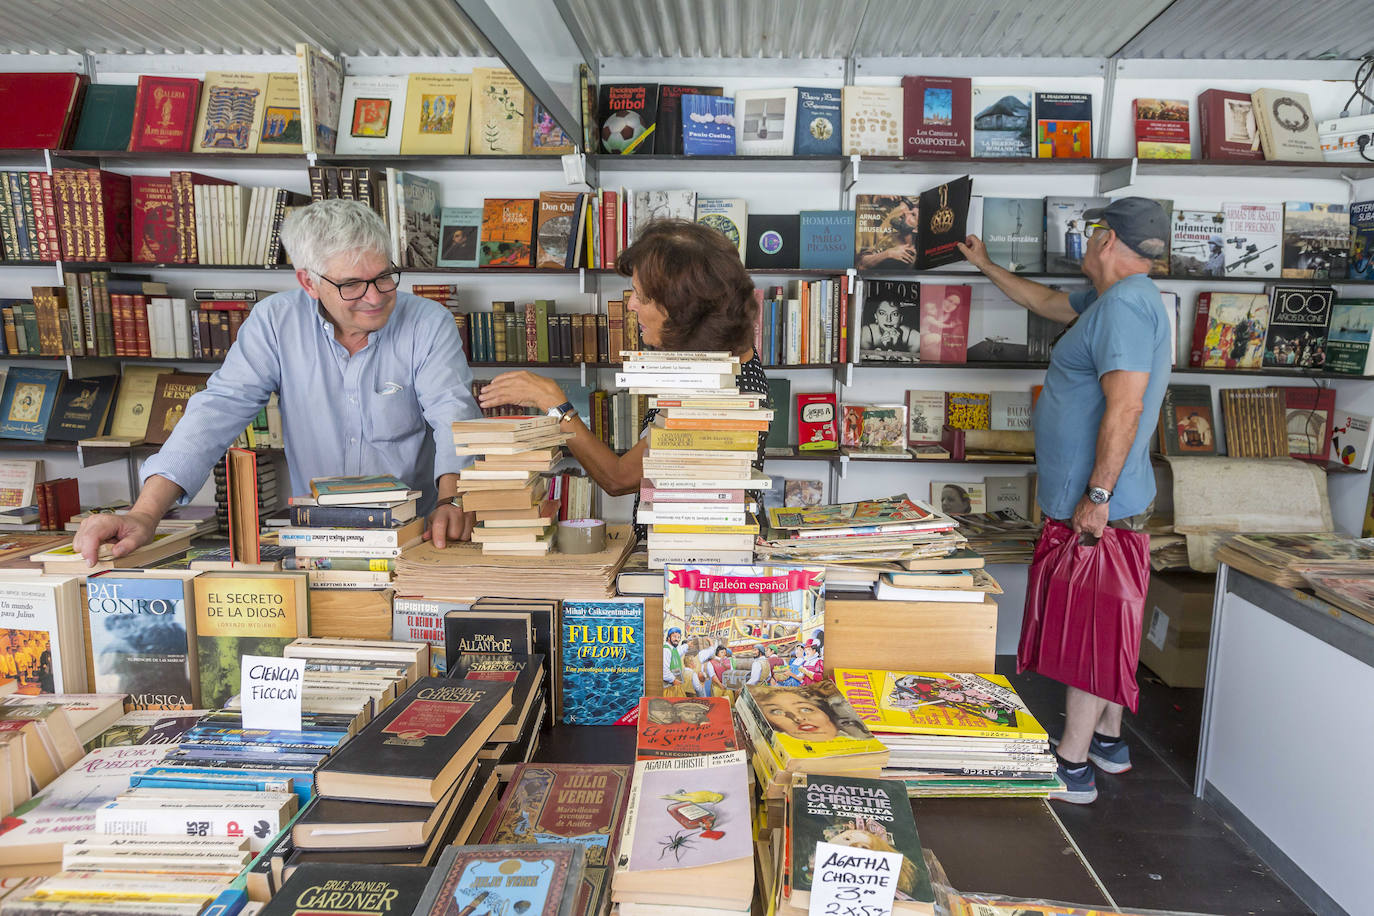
[(1099, 496), (563, 411)]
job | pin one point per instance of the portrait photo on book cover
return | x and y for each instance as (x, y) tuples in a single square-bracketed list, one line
[(891, 328)]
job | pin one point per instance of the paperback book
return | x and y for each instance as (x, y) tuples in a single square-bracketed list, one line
[(1253, 236), (926, 703), (1196, 244), (1063, 125), (1002, 122), (603, 661), (685, 726), (890, 329), (1233, 328), (1316, 240), (820, 124), (1014, 232)]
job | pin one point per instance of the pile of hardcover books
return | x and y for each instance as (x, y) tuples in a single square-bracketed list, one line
[(865, 813), (699, 465), (348, 532), (806, 729), (860, 534), (953, 734), (506, 486), (675, 805)]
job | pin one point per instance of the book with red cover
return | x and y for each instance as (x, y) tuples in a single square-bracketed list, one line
[(1308, 412), (108, 211), (944, 322), (1161, 129), (164, 114), (936, 116), (40, 109), (1226, 122), (155, 236), (685, 726)]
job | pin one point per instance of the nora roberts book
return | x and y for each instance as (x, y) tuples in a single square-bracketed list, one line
[(415, 749)]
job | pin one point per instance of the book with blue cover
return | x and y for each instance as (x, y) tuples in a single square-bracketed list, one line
[(827, 239), (603, 661), (143, 637), (820, 129), (708, 125), (27, 403)]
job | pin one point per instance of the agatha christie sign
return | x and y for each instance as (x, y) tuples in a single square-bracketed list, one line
[(851, 881)]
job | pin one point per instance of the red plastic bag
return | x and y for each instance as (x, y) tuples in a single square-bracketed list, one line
[(1084, 610)]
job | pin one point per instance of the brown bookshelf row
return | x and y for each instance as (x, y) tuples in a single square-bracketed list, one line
[(820, 164)]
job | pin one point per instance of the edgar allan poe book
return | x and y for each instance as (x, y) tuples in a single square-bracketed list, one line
[(603, 660), (356, 889), (684, 727), (142, 637), (239, 614), (867, 814), (565, 803)]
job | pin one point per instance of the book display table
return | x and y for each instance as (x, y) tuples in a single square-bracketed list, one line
[(1285, 736)]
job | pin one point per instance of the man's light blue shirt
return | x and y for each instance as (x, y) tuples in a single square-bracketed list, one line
[(387, 409), (1126, 329)]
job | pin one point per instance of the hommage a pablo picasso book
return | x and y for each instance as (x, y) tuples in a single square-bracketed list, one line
[(566, 803)]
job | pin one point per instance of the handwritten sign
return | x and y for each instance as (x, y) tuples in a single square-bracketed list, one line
[(854, 882), (270, 690)]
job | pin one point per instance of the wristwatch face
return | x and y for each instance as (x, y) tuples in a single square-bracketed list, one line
[(1099, 495)]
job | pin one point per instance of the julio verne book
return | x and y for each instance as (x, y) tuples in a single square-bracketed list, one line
[(470, 880), (583, 804), (603, 660)]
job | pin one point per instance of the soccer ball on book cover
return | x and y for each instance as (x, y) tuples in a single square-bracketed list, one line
[(620, 130)]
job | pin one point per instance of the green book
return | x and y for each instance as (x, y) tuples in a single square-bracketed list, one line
[(107, 118), (780, 430), (543, 308), (33, 342), (850, 811)]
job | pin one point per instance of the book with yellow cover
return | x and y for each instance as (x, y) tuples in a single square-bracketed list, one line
[(436, 115), (134, 401), (231, 109), (244, 613), (932, 703), (703, 439), (281, 116), (498, 113), (809, 723)]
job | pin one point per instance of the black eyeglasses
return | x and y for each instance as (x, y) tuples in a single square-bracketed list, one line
[(353, 290)]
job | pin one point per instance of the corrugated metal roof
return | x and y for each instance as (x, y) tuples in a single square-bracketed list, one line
[(1249, 29), (1001, 28), (353, 27), (719, 28)]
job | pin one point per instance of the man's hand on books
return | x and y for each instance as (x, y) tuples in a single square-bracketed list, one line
[(449, 523), (975, 252), (524, 389), (126, 533)]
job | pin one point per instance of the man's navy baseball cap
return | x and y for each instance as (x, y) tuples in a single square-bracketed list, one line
[(1138, 221)]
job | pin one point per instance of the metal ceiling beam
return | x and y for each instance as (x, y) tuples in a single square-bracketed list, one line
[(535, 32)]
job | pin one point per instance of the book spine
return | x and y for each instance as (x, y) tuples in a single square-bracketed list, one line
[(142, 330), (49, 216), (8, 239), (23, 233)]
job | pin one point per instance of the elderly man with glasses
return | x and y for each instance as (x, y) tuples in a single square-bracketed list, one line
[(369, 380), (1106, 380)]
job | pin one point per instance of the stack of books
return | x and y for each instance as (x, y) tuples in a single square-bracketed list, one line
[(349, 529), (1285, 559), (506, 485), (699, 807), (807, 729), (869, 814), (264, 478), (699, 465), (1000, 537), (953, 734), (851, 537)]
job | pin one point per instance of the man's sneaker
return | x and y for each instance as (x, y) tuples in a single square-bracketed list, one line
[(1080, 786), (1114, 759)]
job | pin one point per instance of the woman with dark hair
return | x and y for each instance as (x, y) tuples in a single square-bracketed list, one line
[(691, 293)]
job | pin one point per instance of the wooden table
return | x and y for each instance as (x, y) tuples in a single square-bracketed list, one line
[(1011, 846)]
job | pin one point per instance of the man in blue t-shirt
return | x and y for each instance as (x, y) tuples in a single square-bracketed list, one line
[(1108, 370)]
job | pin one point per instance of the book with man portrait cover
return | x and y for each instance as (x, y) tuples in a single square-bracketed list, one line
[(684, 727), (143, 637)]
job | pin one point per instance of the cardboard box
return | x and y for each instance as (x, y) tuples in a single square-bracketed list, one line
[(1177, 627)]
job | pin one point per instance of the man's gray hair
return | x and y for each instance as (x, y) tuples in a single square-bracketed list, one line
[(317, 234)]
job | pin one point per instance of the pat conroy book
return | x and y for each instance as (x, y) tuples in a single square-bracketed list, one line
[(865, 814), (567, 803), (143, 637), (35, 831), (687, 825), (316, 889), (684, 727), (934, 703), (497, 879), (416, 747), (603, 660)]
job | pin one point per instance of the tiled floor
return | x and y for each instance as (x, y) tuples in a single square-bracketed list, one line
[(1152, 844)]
